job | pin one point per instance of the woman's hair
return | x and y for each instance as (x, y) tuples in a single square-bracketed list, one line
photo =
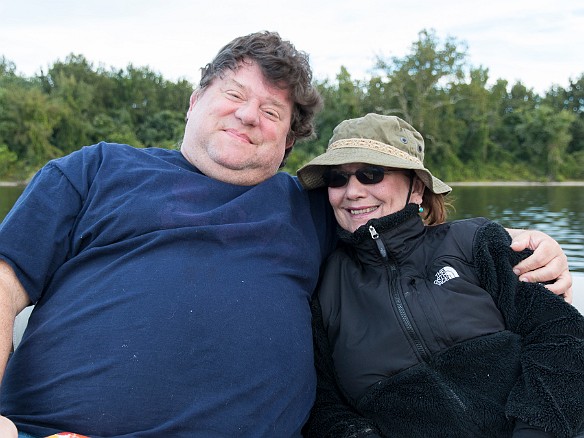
[(435, 207), (283, 66)]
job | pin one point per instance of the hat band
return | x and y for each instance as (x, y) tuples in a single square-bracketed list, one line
[(374, 145)]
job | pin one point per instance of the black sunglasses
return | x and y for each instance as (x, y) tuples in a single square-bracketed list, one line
[(366, 175)]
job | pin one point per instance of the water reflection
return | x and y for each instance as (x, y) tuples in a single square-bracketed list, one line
[(8, 196), (556, 210)]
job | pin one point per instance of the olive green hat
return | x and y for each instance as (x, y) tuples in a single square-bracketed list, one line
[(373, 139)]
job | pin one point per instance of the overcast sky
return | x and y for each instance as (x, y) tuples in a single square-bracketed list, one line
[(539, 42)]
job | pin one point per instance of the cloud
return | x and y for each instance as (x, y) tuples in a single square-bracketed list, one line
[(534, 41)]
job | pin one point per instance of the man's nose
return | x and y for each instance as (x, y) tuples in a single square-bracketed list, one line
[(248, 113)]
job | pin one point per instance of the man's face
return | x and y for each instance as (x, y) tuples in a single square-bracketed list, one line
[(237, 127)]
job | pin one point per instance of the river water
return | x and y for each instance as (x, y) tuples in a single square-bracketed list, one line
[(557, 210)]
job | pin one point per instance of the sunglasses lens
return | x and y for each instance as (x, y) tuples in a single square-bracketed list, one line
[(336, 178), (370, 175), (367, 175)]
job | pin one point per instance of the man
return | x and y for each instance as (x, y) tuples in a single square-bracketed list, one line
[(172, 288)]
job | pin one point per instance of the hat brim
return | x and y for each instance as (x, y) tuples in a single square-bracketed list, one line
[(311, 175)]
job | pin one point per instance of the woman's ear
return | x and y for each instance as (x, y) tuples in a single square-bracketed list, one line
[(417, 191)]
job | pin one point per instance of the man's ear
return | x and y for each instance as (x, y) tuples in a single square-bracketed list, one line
[(290, 140), (193, 99)]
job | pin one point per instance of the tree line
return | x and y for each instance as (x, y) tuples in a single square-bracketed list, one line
[(473, 131)]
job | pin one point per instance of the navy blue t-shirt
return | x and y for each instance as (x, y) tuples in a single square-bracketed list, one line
[(167, 303)]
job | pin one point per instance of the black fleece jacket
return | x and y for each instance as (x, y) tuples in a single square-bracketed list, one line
[(427, 332)]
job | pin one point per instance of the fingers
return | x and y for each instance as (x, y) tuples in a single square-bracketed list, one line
[(522, 239), (568, 295), (562, 286), (539, 268), (545, 249), (548, 260), (547, 263)]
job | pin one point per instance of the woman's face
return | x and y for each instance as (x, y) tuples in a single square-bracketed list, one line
[(355, 203)]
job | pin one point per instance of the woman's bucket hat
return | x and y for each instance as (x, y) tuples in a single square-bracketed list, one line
[(373, 139)]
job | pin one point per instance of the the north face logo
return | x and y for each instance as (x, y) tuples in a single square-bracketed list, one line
[(445, 274)]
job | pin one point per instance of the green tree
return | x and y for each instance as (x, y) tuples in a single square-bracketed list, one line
[(162, 129), (471, 131), (71, 85), (343, 99), (571, 99), (115, 128), (139, 89), (7, 67), (412, 83), (27, 121), (421, 88), (474, 111), (7, 159), (545, 136)]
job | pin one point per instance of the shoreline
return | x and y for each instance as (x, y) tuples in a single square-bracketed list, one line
[(12, 183), (518, 183)]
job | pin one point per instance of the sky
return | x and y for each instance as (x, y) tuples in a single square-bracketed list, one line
[(537, 42)]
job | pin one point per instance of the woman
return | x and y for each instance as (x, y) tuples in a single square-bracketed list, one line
[(457, 348)]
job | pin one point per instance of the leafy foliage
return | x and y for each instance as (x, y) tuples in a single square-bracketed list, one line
[(76, 104), (473, 131)]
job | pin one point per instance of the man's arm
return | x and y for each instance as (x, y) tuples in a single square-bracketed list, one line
[(7, 428), (13, 299), (547, 263)]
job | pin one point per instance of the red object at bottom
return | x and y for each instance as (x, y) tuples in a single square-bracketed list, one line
[(67, 435)]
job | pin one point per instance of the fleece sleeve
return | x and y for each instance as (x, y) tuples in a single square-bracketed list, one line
[(331, 415), (549, 392)]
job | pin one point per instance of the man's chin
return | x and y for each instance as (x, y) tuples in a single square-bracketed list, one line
[(239, 175)]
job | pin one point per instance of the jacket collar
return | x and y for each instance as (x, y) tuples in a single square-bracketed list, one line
[(395, 230)]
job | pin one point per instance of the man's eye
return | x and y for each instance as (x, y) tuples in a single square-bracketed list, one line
[(272, 114), (234, 95)]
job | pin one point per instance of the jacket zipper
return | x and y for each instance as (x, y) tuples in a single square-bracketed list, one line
[(395, 294)]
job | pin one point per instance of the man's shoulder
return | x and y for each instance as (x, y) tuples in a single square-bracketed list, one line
[(122, 149), (104, 147), (104, 153)]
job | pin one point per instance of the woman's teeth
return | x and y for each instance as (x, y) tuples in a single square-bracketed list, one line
[(363, 210)]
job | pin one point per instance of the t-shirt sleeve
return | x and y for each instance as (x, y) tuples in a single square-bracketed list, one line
[(35, 235)]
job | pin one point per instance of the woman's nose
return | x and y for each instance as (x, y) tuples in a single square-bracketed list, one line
[(354, 189)]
